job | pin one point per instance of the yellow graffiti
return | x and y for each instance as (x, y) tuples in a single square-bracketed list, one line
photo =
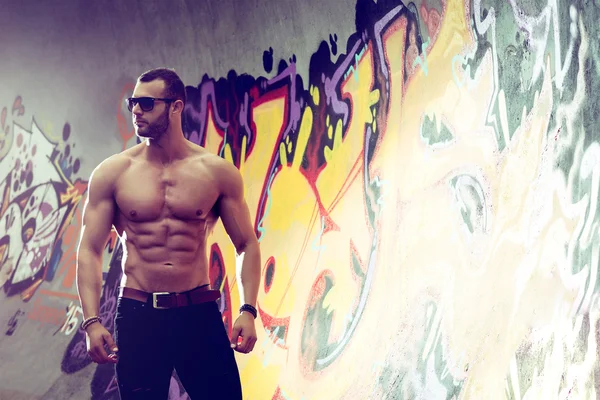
[(294, 232), (503, 269)]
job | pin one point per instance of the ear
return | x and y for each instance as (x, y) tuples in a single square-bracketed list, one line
[(178, 106)]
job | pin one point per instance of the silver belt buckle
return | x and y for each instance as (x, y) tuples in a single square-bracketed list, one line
[(155, 300)]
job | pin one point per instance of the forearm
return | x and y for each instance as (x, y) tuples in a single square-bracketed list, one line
[(249, 274), (89, 282)]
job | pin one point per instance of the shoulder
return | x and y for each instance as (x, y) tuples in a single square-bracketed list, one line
[(105, 175), (225, 173)]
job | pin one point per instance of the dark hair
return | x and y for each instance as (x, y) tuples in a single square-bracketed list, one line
[(174, 87)]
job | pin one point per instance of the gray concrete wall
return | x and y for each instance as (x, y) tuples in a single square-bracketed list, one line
[(423, 179)]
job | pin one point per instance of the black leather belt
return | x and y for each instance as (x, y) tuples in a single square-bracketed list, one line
[(163, 300)]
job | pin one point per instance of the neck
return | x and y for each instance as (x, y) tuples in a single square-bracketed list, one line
[(172, 145)]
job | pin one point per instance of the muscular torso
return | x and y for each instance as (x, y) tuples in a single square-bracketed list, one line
[(163, 216)]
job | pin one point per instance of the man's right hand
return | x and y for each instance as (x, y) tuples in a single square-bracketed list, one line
[(97, 338)]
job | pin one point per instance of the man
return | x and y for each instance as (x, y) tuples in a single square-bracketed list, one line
[(163, 197)]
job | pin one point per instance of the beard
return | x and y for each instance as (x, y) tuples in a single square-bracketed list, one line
[(156, 129)]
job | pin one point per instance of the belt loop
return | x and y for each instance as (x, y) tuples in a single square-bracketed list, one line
[(189, 298)]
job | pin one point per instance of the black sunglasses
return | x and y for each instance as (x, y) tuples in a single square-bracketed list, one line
[(146, 103)]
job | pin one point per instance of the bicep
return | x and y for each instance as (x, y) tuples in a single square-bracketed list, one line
[(97, 223), (97, 217), (235, 215)]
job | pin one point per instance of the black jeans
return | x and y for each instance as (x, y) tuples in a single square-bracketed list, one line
[(192, 340)]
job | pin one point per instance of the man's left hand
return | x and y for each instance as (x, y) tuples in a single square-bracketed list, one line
[(244, 328)]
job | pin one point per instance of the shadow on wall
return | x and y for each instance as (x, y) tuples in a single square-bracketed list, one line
[(425, 202)]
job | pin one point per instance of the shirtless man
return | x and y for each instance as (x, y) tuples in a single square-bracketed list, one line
[(163, 197)]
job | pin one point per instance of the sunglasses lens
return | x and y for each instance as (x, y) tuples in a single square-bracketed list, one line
[(146, 103)]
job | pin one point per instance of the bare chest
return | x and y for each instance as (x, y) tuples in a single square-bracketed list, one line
[(147, 193)]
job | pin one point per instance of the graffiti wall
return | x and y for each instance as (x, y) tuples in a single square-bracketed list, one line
[(425, 197)]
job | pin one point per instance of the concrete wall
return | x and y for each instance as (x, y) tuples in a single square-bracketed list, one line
[(423, 178)]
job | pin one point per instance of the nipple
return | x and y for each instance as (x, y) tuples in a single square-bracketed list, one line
[(198, 212), (133, 213)]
